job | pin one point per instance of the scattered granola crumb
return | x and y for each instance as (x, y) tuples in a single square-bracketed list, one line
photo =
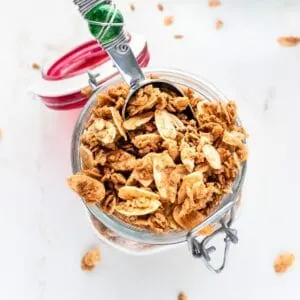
[(132, 7), (182, 296), (288, 41), (1, 133), (178, 36), (214, 3), (36, 66), (160, 7), (87, 91), (219, 24), (169, 20), (90, 260), (283, 262)]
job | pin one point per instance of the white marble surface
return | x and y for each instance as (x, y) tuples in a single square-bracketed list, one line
[(43, 228)]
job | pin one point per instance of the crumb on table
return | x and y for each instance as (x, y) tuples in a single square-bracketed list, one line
[(182, 296), (132, 7), (36, 66), (214, 3), (178, 36), (169, 20), (160, 7), (90, 259), (288, 41), (283, 262), (219, 24)]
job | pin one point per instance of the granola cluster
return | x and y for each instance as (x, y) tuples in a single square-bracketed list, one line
[(159, 169)]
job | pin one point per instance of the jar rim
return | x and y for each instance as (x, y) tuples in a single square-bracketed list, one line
[(182, 78)]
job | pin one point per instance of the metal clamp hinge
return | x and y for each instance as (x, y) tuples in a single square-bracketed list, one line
[(201, 250)]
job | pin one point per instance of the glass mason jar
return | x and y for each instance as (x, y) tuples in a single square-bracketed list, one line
[(137, 241)]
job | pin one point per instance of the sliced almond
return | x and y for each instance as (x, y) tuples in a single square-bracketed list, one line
[(163, 165), (165, 125), (118, 122), (90, 189), (131, 192), (138, 207), (177, 122), (87, 157), (233, 138), (135, 122), (212, 156), (187, 156)]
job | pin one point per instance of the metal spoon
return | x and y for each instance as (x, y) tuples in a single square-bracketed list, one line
[(120, 52)]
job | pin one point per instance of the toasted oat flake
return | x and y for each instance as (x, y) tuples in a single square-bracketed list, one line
[(233, 138), (169, 20), (1, 133), (187, 183), (219, 24), (182, 296), (118, 122), (160, 7), (90, 259), (289, 41), (135, 122), (212, 156), (214, 3), (121, 160), (90, 189), (178, 36), (283, 262), (138, 206), (131, 192)]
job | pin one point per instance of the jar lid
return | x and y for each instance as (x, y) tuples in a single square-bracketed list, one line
[(62, 79)]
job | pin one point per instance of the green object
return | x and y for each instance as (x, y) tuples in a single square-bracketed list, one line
[(104, 13)]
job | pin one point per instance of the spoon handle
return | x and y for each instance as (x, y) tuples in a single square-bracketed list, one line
[(106, 24), (126, 63)]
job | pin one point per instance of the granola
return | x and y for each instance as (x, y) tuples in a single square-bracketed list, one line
[(90, 260), (283, 262), (158, 169), (182, 296), (219, 24), (169, 20), (178, 36), (214, 3), (36, 66), (289, 41)]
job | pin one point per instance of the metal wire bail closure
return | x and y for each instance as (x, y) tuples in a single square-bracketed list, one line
[(200, 249)]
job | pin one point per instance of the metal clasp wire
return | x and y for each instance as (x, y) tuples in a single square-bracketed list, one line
[(200, 249)]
